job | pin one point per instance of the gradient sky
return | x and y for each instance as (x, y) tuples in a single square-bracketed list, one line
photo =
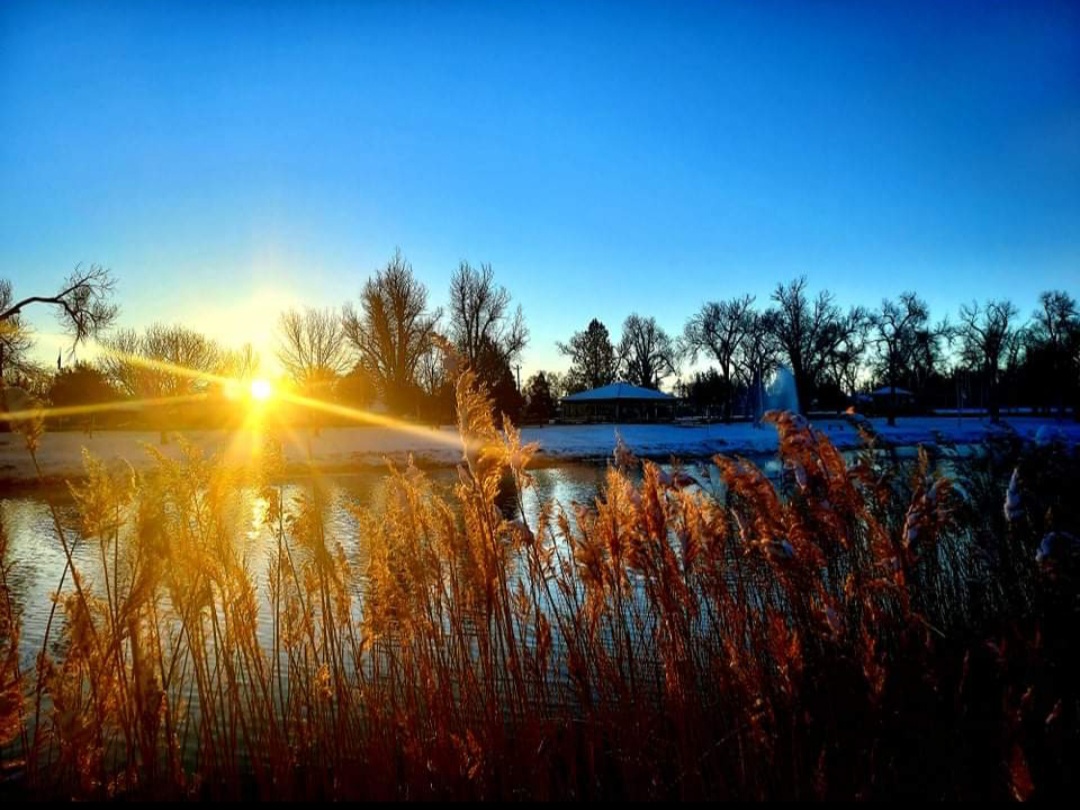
[(227, 162)]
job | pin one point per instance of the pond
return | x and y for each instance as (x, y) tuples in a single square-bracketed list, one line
[(36, 555)]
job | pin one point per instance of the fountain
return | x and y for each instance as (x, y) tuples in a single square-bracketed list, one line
[(779, 393)]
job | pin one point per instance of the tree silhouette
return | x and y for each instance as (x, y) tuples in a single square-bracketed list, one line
[(847, 358), (392, 331), (82, 384), (82, 305), (357, 388), (313, 350), (494, 371), (312, 347), (897, 327), (480, 317), (485, 334), (987, 335), (1053, 347), (436, 373), (593, 362), (240, 364), (15, 339), (164, 362), (719, 329), (647, 352), (540, 404), (757, 356), (808, 333)]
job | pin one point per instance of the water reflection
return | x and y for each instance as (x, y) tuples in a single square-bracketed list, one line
[(36, 557)]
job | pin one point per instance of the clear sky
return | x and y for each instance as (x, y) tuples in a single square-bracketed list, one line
[(229, 159)]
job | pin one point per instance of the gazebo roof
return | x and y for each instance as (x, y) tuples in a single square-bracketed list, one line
[(622, 391)]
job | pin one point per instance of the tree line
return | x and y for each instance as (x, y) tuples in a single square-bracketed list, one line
[(393, 347), (985, 359)]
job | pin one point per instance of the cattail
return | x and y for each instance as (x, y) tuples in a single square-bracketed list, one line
[(623, 456), (1014, 509), (915, 519), (520, 532)]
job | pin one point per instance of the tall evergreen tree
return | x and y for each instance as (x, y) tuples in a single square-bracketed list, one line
[(593, 361)]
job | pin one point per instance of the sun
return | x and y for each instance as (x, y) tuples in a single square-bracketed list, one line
[(261, 390)]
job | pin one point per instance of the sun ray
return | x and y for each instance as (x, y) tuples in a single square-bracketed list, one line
[(259, 396), (100, 407), (169, 368), (369, 418)]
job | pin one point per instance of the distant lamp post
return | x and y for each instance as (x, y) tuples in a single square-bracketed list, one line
[(517, 371)]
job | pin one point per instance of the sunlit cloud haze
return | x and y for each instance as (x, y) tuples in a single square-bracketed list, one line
[(230, 160)]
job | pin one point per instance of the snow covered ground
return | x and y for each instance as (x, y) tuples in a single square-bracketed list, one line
[(661, 441), (354, 448)]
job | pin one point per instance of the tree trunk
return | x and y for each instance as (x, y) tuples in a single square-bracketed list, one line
[(892, 398), (802, 390), (992, 398)]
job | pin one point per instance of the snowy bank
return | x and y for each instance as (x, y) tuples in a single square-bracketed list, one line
[(357, 448)]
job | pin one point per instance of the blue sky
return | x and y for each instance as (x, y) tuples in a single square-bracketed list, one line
[(227, 160)]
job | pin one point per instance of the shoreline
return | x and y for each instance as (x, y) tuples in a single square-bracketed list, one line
[(345, 450)]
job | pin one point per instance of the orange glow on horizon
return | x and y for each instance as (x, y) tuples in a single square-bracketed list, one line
[(261, 395)]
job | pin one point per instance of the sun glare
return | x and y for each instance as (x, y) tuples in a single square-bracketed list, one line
[(261, 390)]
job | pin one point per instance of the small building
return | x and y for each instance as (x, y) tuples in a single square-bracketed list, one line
[(885, 392), (880, 400), (619, 402)]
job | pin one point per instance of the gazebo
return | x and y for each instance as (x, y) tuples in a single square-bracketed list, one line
[(885, 399), (883, 395), (619, 402)]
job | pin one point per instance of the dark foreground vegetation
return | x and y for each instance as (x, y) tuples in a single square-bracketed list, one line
[(863, 629)]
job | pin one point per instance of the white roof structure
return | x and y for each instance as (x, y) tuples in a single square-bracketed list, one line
[(886, 390), (622, 391)]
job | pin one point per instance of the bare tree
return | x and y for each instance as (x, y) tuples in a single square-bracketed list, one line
[(593, 361), (1053, 346), (438, 366), (393, 331), (480, 317), (15, 339), (82, 306), (1057, 318), (719, 329), (897, 326), (647, 352), (558, 384), (488, 338), (163, 362), (928, 360), (312, 348), (757, 356), (845, 361), (808, 332), (986, 336), (240, 364)]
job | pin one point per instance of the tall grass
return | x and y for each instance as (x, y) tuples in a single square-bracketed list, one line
[(859, 630)]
